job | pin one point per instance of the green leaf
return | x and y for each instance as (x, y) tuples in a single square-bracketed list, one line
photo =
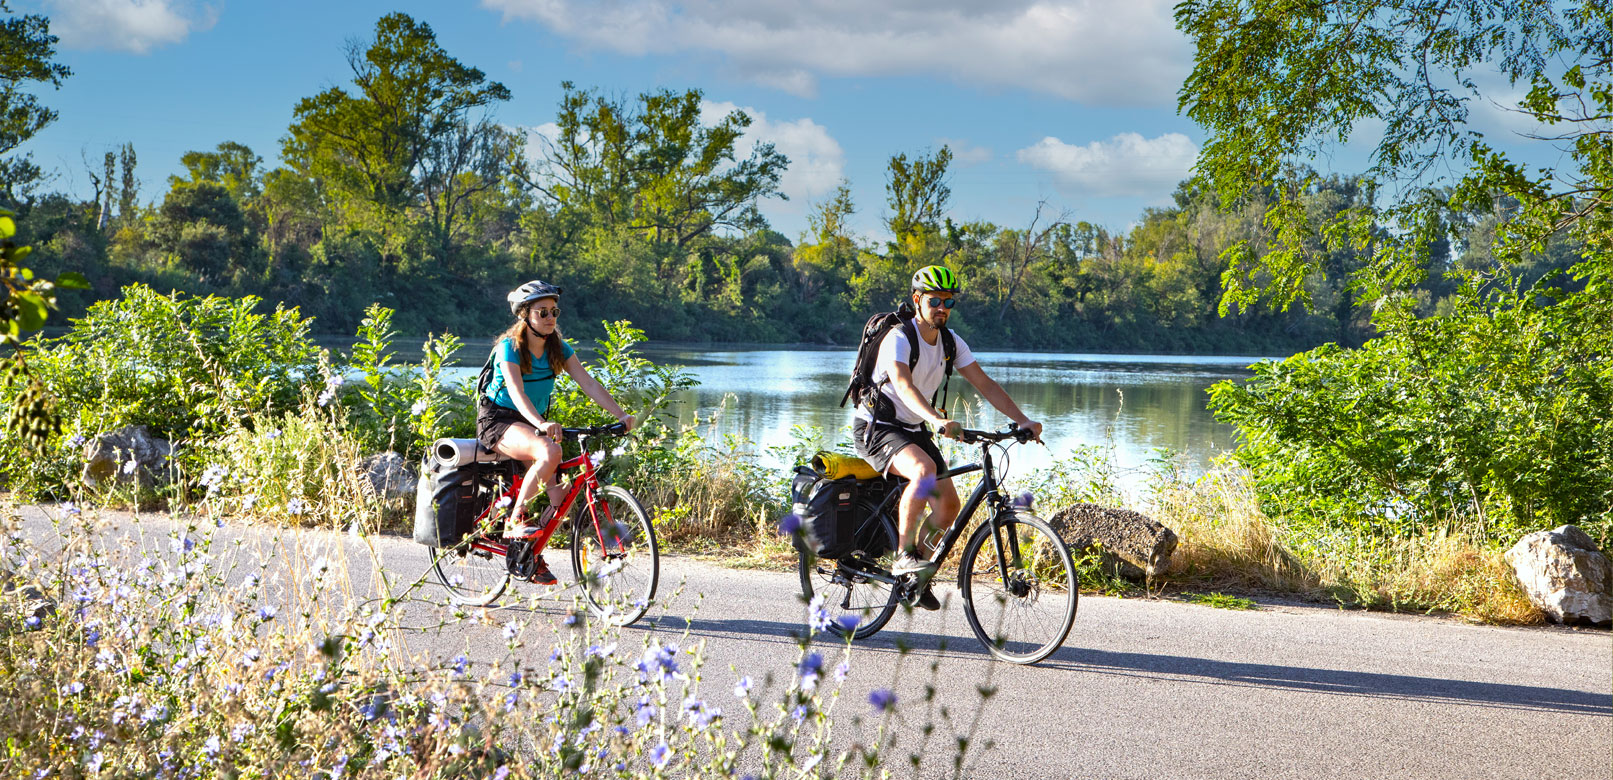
[(31, 311), (72, 280), (7, 227)]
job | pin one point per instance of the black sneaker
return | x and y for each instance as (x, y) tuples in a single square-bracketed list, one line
[(927, 600)]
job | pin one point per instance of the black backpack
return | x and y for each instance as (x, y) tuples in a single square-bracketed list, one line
[(862, 390)]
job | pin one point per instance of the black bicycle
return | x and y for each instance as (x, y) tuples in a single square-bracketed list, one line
[(1016, 576)]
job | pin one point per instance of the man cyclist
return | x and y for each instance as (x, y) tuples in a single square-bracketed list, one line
[(895, 436)]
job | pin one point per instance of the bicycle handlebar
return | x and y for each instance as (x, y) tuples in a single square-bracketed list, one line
[(1013, 431), (614, 429)]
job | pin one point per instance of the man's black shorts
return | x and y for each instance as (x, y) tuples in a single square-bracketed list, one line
[(887, 440)]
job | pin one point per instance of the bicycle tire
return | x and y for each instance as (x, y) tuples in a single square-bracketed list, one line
[(846, 592), (1031, 607), (622, 589), (473, 578)]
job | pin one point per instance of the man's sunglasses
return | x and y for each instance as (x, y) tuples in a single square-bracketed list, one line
[(542, 313), (943, 302)]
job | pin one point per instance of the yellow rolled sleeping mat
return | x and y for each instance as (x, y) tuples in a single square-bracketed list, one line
[(836, 466)]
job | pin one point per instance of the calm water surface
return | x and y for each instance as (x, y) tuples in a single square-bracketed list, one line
[(1132, 406)]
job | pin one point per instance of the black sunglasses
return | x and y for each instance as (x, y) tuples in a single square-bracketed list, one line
[(943, 302)]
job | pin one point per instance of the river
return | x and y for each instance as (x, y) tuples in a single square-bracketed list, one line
[(1132, 408)]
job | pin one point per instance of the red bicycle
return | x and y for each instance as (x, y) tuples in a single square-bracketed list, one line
[(613, 549)]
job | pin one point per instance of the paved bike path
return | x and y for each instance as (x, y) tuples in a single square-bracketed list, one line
[(1141, 689)]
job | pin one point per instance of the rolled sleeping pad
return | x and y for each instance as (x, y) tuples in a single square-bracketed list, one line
[(836, 466), (462, 452)]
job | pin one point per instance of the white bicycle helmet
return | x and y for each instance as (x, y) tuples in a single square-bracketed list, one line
[(530, 292)]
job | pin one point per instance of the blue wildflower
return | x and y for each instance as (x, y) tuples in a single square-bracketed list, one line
[(847, 623), (660, 755), (790, 524), (883, 699)]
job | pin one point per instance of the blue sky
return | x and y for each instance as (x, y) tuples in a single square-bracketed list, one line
[(1068, 101)]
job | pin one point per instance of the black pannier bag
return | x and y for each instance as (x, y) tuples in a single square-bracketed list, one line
[(444, 502), (837, 515)]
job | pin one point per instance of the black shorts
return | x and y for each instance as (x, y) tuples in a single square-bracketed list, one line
[(493, 420), (882, 444)]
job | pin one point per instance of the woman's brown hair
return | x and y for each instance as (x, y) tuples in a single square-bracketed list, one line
[(554, 351)]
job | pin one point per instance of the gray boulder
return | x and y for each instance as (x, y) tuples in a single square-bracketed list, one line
[(1565, 575), (128, 455), (388, 476), (1134, 545)]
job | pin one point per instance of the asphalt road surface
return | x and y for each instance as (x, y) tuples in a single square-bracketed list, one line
[(1141, 689)]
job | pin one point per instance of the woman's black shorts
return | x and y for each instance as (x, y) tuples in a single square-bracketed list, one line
[(882, 444), (493, 420)]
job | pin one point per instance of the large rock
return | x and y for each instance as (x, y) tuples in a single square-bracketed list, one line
[(388, 476), (1135, 546), (1565, 575), (128, 455)]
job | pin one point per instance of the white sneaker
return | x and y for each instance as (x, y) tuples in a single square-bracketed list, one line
[(908, 563)]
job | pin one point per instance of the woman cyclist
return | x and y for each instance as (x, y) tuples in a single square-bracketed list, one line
[(510, 418)]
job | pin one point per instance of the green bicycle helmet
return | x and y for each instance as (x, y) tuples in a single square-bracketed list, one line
[(935, 277)]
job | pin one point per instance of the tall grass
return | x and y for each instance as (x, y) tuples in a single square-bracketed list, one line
[(1226, 541)]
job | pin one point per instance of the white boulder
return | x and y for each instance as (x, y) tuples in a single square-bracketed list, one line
[(1565, 575)]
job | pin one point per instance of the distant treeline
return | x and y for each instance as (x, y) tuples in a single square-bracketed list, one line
[(400, 189)]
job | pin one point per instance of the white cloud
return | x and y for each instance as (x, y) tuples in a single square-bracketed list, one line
[(136, 26), (964, 153), (1125, 165), (817, 163), (1095, 51)]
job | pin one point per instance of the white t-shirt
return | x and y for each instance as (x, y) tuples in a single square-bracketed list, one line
[(927, 372)]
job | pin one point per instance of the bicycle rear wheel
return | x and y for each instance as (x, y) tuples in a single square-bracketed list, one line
[(474, 576), (853, 587), (1021, 611), (615, 556)]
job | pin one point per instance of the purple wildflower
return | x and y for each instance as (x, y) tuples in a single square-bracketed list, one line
[(883, 699)]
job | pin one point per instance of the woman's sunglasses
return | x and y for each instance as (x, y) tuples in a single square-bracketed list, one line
[(542, 313), (936, 303)]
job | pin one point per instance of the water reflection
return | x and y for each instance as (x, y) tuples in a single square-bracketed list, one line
[(1131, 406)]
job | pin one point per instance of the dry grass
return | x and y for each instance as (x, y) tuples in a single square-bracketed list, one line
[(1225, 541)]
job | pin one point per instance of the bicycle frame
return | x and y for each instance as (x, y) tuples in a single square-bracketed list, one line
[(987, 488), (586, 482)]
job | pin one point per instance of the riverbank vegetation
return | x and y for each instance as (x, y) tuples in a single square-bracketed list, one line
[(437, 213)]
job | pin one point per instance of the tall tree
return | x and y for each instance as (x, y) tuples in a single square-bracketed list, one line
[(652, 165), (26, 50), (918, 192), (231, 165), (409, 97), (129, 187)]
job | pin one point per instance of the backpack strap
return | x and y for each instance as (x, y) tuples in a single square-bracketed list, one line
[(949, 351)]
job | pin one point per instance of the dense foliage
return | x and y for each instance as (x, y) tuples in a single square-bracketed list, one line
[(1489, 412), (400, 188)]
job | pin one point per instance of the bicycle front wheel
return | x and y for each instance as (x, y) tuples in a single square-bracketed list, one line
[(1019, 592), (474, 577), (615, 556), (856, 590)]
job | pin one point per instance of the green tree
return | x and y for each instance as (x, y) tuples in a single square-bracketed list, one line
[(233, 166), (1494, 414), (652, 166), (26, 50), (918, 192), (394, 140)]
